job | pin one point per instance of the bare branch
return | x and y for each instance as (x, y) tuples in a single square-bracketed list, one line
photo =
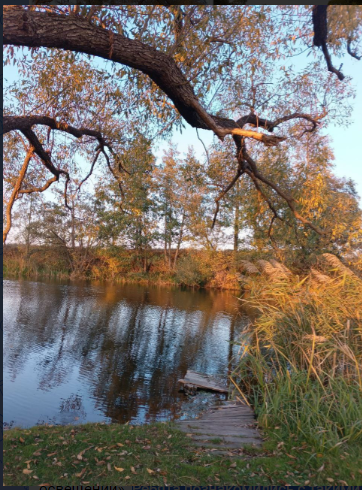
[(47, 184), (263, 195), (349, 50), (91, 169), (224, 192), (288, 199)]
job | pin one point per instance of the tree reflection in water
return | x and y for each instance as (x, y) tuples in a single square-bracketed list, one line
[(114, 351)]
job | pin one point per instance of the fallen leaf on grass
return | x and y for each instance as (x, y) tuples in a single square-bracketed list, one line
[(27, 472), (119, 444), (330, 480), (146, 447), (35, 477), (51, 454), (118, 469), (109, 467), (80, 455), (79, 475), (290, 456), (21, 439), (151, 472), (321, 468), (127, 477), (133, 470), (37, 453), (233, 465)]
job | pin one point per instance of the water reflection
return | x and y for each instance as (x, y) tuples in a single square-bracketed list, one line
[(93, 352)]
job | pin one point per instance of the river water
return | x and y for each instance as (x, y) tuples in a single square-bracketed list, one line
[(78, 352)]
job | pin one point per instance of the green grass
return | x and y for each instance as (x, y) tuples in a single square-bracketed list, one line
[(156, 454)]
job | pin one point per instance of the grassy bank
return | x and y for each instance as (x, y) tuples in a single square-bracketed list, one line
[(157, 454), (302, 361), (209, 269)]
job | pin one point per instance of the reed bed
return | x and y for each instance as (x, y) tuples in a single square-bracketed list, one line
[(301, 357)]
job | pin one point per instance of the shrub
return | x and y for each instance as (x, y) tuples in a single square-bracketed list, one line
[(193, 271)]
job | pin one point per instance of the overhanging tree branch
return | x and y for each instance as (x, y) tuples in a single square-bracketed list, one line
[(319, 17), (16, 190), (45, 29)]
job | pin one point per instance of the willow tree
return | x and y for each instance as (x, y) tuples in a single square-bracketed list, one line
[(218, 68)]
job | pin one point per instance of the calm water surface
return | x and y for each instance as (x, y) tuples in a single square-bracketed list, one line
[(80, 352)]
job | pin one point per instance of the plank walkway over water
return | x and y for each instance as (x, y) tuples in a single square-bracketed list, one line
[(203, 381), (232, 424)]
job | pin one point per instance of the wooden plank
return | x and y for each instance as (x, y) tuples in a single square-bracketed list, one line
[(228, 425), (227, 416), (239, 431), (223, 440), (217, 434), (254, 442), (203, 381)]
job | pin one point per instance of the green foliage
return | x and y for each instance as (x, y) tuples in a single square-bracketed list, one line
[(193, 271), (323, 416)]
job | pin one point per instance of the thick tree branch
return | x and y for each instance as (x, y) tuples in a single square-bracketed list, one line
[(11, 123), (16, 190), (319, 17), (25, 124), (43, 29)]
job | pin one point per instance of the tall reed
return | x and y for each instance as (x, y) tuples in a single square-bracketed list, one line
[(301, 361)]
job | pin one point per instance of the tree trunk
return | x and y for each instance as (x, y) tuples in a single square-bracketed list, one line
[(27, 238), (236, 228), (179, 241), (73, 227)]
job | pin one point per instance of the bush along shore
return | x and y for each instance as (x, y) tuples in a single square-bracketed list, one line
[(300, 368), (193, 268)]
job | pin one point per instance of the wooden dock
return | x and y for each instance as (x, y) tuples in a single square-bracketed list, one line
[(203, 381), (225, 428)]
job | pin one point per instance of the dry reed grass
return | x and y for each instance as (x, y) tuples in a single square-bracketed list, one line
[(301, 357)]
